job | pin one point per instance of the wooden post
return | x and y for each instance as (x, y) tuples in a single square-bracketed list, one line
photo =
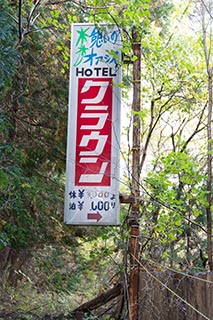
[(134, 215)]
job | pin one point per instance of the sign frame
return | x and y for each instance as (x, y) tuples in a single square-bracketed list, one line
[(93, 139)]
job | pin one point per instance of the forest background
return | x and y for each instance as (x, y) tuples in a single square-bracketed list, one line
[(45, 265)]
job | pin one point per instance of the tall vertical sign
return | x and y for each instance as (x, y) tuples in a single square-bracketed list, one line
[(93, 149)]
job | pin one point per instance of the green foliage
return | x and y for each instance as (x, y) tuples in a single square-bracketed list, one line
[(160, 13), (170, 71), (26, 204), (179, 199), (58, 270), (8, 53), (33, 130)]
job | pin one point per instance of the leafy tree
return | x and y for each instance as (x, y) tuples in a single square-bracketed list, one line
[(33, 150)]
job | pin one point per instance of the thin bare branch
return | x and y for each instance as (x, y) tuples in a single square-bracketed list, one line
[(197, 130)]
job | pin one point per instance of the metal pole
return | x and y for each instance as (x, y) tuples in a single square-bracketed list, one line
[(134, 216)]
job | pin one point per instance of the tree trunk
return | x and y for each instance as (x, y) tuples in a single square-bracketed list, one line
[(209, 69), (209, 176), (99, 301)]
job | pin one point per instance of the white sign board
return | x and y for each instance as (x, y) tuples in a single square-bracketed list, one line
[(93, 149)]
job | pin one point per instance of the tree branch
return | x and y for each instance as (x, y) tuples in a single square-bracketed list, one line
[(101, 300)]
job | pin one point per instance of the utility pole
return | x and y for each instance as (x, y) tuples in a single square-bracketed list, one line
[(134, 215)]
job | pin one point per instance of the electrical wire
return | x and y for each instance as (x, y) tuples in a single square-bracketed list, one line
[(188, 275)]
